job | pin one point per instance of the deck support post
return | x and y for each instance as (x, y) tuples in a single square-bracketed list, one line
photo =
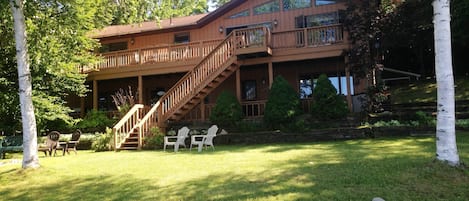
[(95, 94), (140, 89), (82, 107), (271, 74), (238, 84)]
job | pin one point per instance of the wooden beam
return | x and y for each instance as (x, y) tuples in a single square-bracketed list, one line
[(238, 84), (95, 94), (271, 74), (140, 89)]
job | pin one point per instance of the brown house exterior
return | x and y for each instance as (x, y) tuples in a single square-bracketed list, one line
[(185, 62)]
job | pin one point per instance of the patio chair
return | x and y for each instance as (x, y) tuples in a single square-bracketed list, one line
[(204, 140), (51, 143), (178, 140), (72, 144)]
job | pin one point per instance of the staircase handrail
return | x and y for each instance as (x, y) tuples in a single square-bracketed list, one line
[(126, 125), (192, 81), (146, 122), (189, 82)]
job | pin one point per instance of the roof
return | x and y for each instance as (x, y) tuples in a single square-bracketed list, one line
[(166, 24)]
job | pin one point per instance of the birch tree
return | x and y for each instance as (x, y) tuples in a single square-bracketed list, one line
[(30, 157), (446, 149)]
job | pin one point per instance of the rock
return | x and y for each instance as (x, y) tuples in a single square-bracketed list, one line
[(378, 199)]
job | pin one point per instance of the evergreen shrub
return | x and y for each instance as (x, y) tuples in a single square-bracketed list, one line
[(327, 105), (155, 140), (95, 121), (103, 141), (283, 105), (227, 110)]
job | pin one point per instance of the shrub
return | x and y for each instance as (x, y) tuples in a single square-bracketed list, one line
[(327, 103), (462, 123), (227, 110), (95, 121), (154, 140), (103, 141), (424, 119), (283, 104)]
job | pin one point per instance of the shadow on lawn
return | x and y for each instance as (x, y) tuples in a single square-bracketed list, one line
[(343, 172)]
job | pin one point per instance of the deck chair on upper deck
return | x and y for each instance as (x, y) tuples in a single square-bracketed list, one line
[(51, 143)]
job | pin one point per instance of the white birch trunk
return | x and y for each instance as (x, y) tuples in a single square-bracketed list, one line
[(446, 149), (30, 156)]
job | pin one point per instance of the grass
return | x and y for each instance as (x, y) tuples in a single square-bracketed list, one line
[(391, 168), (425, 91)]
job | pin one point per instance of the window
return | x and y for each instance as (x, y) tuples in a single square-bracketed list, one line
[(306, 87), (325, 2), (249, 90), (308, 83), (181, 38), (294, 4), (240, 14), (269, 7), (322, 19), (111, 47)]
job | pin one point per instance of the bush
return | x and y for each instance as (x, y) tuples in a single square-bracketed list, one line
[(227, 111), (103, 141), (95, 121), (327, 103), (283, 104), (155, 140), (424, 119)]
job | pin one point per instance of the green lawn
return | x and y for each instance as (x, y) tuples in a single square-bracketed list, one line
[(392, 168), (425, 91)]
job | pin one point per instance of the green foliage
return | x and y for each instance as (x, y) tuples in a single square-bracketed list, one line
[(58, 41), (283, 104), (103, 141), (424, 119), (136, 11), (219, 3), (462, 123), (249, 126), (95, 121), (155, 140), (375, 97), (327, 103), (227, 110)]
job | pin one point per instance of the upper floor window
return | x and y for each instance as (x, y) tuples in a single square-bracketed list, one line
[(294, 4), (269, 7), (322, 19), (181, 38), (325, 2), (240, 14), (111, 47)]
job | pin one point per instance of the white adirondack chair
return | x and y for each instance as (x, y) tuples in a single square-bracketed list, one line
[(204, 140), (178, 140)]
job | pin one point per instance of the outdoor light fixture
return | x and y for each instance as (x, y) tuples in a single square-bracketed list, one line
[(220, 29), (275, 22), (132, 41)]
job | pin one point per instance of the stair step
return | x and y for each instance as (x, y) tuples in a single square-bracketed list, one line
[(130, 143), (128, 148)]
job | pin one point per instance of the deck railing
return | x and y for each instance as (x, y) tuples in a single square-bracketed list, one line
[(147, 122), (308, 37), (250, 37), (209, 68), (157, 54)]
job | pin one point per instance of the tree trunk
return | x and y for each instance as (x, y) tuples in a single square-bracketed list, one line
[(30, 157), (446, 149)]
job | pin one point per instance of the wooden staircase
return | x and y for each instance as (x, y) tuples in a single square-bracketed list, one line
[(191, 89)]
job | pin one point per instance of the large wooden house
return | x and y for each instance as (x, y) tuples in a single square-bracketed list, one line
[(179, 66)]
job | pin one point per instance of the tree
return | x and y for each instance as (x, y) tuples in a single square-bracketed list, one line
[(219, 3), (136, 11), (30, 157), (446, 149), (227, 110), (327, 103), (283, 104)]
